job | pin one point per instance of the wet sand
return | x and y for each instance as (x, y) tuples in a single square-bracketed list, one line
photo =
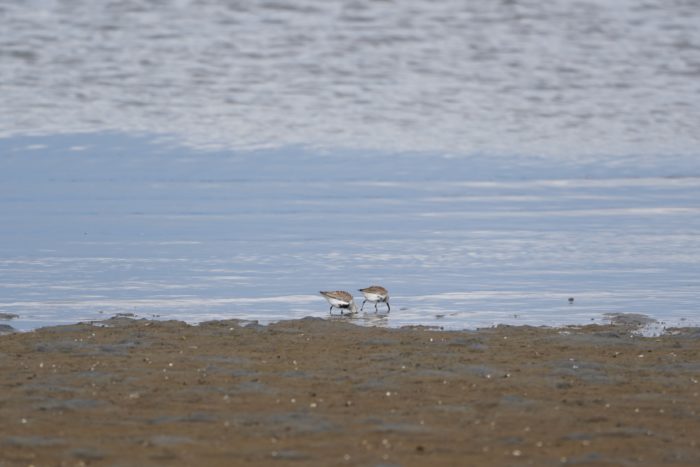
[(327, 392)]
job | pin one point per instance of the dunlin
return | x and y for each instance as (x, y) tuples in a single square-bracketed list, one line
[(376, 294), (340, 299)]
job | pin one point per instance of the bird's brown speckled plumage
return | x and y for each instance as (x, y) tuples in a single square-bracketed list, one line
[(338, 295), (376, 289)]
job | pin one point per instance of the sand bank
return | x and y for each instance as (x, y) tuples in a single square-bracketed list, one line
[(320, 392)]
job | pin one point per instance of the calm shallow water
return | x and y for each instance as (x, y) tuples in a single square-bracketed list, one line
[(200, 159), (114, 224)]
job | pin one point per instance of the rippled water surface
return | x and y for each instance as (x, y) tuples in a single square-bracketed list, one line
[(510, 76), (485, 161)]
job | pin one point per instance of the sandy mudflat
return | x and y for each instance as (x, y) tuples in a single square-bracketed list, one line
[(320, 392)]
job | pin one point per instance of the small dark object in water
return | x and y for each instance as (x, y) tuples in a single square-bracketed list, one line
[(571, 300)]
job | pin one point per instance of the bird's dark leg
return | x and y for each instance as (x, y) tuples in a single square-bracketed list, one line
[(363, 304), (376, 310), (388, 307), (330, 310)]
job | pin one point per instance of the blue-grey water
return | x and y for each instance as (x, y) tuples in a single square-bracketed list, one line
[(485, 161)]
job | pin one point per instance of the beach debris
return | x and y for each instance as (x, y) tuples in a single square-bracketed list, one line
[(571, 300)]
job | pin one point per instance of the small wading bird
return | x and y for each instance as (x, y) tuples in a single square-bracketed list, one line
[(341, 300), (376, 294)]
